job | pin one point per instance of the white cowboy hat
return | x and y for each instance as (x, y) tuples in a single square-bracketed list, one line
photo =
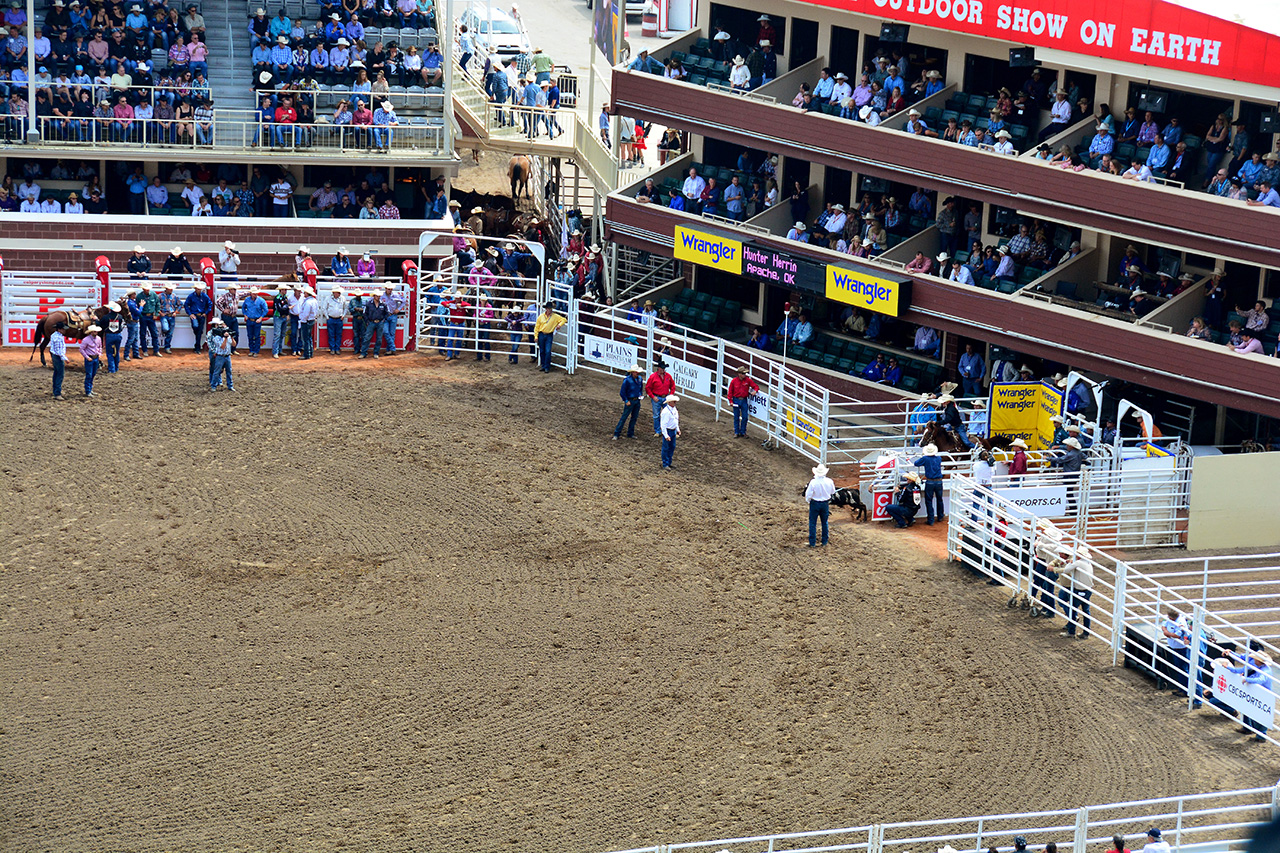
[(864, 112), (1017, 442), (930, 450), (342, 250), (113, 306), (934, 75), (720, 36), (944, 399), (912, 476), (308, 291), (1003, 134), (1073, 427), (199, 285), (913, 112), (671, 398), (1136, 416), (820, 470), (337, 288), (169, 286), (840, 75), (1072, 442), (232, 286), (146, 285), (477, 209), (799, 226), (763, 18), (635, 368), (138, 249), (93, 329), (228, 244), (1057, 419), (176, 250), (942, 257)]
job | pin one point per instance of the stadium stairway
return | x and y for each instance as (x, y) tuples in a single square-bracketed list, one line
[(230, 72)]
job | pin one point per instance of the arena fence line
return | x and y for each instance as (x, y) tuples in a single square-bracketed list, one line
[(993, 536), (1194, 823)]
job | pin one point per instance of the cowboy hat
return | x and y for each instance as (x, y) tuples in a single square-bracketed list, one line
[(1072, 442), (799, 226), (1219, 271), (93, 329), (169, 286), (635, 368), (913, 112), (944, 399), (912, 476), (1057, 419), (232, 286), (671, 398), (1003, 134), (228, 244), (113, 306), (1136, 415), (942, 257), (934, 75), (1017, 442), (930, 450), (1073, 427), (199, 285), (308, 291), (840, 75), (337, 288), (176, 250), (138, 249), (342, 250), (820, 470), (454, 203)]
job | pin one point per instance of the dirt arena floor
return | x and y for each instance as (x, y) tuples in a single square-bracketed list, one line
[(416, 606)]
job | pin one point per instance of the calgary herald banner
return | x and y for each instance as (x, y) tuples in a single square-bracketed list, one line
[(1146, 32)]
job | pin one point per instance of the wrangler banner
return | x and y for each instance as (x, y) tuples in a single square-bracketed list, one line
[(1024, 410)]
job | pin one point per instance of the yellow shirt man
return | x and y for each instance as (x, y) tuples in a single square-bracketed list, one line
[(545, 329)]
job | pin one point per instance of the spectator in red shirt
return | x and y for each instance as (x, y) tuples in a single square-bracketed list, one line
[(741, 387), (285, 115), (1117, 845), (459, 313), (659, 385)]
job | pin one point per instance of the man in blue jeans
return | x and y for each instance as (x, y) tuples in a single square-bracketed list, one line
[(394, 303), (670, 427), (220, 344), (818, 494), (931, 462), (255, 311), (741, 387), (375, 316), (631, 392), (58, 349)]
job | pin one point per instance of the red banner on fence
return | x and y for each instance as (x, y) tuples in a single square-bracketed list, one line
[(1154, 32)]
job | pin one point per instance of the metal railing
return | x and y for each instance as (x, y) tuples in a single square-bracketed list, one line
[(325, 97), (1215, 821), (995, 536), (239, 130)]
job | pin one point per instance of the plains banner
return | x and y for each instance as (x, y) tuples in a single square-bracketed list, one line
[(1156, 33)]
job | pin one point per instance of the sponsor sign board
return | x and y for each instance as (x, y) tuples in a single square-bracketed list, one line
[(867, 291)]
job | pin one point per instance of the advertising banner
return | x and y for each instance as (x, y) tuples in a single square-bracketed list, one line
[(758, 406), (1250, 700), (708, 250), (802, 428), (1024, 410), (1038, 501), (1146, 32), (867, 291), (618, 355), (688, 376)]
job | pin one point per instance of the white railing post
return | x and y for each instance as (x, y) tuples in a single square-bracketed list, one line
[(824, 423), (1080, 843), (1275, 802), (1118, 609), (718, 388), (571, 339), (1193, 655), (1177, 830), (875, 839)]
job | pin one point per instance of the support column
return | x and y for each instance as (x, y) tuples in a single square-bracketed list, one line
[(1220, 425)]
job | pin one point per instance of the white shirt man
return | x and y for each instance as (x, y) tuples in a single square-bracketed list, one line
[(192, 195), (821, 487), (281, 192), (740, 76), (1155, 844), (693, 186), (334, 307), (1139, 172), (229, 259), (28, 189), (837, 220), (50, 205), (670, 419), (841, 89)]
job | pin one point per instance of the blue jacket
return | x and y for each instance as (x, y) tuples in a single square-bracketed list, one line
[(198, 303), (932, 466), (632, 388)]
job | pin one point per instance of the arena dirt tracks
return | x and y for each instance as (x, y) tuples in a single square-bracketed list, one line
[(297, 618)]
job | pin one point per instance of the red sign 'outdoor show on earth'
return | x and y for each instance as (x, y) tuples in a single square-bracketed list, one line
[(1153, 33)]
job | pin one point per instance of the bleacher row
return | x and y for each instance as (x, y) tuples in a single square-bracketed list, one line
[(1269, 338), (405, 37), (698, 310), (1126, 152), (700, 67)]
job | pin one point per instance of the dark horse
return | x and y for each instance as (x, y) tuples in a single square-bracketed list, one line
[(78, 322), (949, 442)]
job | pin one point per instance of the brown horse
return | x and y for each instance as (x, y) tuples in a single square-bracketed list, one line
[(76, 321), (519, 171), (946, 442)]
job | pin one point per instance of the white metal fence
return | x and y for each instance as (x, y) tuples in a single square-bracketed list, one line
[(1195, 822), (1125, 607)]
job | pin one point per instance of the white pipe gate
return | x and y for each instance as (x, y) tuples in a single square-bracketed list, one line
[(993, 536), (1195, 823)]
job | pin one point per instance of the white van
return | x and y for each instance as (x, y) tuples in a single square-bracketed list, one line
[(496, 30)]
